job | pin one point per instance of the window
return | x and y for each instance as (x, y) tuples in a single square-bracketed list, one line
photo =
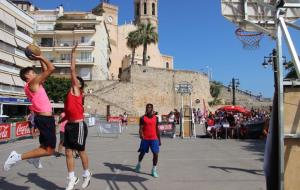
[(48, 55), (7, 47), (137, 9), (65, 57), (85, 56), (6, 27), (47, 42), (167, 65), (145, 8), (23, 31), (82, 40), (153, 8)]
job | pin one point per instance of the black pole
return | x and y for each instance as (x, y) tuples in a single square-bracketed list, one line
[(233, 92), (272, 157)]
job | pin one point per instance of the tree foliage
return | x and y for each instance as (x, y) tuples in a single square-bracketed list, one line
[(291, 71), (215, 89), (133, 42), (57, 88), (148, 36)]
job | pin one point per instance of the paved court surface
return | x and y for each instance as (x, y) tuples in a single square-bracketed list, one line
[(190, 164)]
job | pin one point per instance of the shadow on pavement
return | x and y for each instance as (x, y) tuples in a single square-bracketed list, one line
[(114, 167), (121, 167), (257, 146), (111, 179), (229, 169), (4, 185), (40, 182)]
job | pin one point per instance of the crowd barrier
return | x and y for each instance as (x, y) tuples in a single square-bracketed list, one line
[(13, 131), (167, 128)]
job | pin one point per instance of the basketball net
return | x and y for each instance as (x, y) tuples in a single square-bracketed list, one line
[(250, 40)]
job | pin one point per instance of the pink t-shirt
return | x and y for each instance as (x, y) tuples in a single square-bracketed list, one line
[(63, 124), (39, 99)]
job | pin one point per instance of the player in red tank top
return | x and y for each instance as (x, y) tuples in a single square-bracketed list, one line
[(150, 138), (76, 129)]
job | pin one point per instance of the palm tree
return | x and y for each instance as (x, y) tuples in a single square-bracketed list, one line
[(148, 36), (292, 74), (133, 41)]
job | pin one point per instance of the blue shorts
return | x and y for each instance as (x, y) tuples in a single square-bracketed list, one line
[(153, 144)]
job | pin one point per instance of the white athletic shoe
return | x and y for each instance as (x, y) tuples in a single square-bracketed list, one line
[(72, 182), (86, 181), (36, 162), (12, 159)]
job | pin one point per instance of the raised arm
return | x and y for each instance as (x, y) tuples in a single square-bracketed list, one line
[(43, 66), (47, 69), (75, 83)]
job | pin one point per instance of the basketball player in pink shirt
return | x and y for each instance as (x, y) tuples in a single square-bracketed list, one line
[(42, 109)]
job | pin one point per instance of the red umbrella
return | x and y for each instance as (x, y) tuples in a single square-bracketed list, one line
[(234, 109)]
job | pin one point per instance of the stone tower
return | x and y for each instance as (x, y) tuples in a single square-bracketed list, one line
[(145, 11)]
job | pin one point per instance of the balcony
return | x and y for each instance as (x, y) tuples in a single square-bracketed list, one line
[(79, 61), (65, 44), (88, 26)]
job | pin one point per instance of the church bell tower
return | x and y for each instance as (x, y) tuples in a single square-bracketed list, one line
[(146, 11)]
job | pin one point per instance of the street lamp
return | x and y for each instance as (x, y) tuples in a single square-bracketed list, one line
[(271, 59), (209, 72), (233, 85)]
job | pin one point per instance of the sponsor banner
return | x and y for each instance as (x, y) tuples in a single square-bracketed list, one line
[(114, 119), (165, 127), (133, 120), (22, 129), (5, 132)]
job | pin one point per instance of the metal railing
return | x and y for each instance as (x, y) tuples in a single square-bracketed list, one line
[(63, 43), (78, 60)]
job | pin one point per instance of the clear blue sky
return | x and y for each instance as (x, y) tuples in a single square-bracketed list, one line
[(197, 35)]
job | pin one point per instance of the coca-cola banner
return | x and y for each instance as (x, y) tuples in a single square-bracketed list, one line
[(22, 129), (5, 131), (114, 119)]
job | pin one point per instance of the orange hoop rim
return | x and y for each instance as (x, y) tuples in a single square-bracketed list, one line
[(241, 32)]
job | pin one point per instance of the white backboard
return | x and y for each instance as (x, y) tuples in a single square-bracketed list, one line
[(253, 11)]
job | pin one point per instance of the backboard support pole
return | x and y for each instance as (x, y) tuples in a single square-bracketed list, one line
[(280, 102), (290, 45)]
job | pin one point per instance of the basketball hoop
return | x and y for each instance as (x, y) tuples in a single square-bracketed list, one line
[(250, 40)]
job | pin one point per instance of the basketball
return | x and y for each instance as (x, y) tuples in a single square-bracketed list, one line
[(32, 49)]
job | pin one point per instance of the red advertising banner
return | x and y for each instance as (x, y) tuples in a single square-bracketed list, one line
[(114, 119), (165, 127), (22, 129), (5, 133)]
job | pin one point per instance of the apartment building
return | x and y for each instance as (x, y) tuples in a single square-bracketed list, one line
[(57, 32), (16, 31)]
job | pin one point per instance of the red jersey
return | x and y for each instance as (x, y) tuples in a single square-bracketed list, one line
[(149, 127), (74, 107)]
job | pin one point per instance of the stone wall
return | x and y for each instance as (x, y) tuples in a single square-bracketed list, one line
[(243, 98), (140, 85)]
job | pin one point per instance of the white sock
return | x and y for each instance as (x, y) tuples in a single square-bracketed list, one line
[(71, 175), (154, 167), (19, 157), (86, 173)]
